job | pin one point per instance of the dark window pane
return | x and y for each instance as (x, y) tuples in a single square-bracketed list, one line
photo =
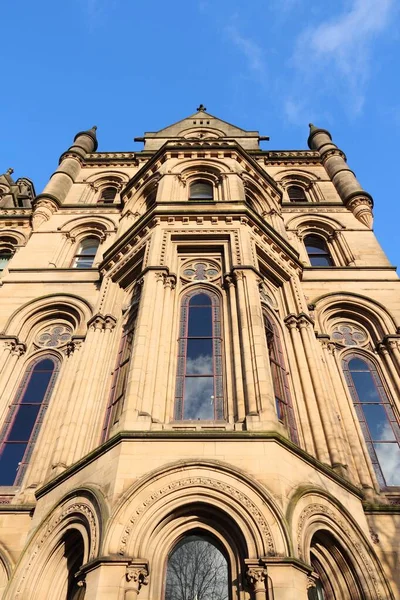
[(88, 250), (389, 460), (200, 322), (378, 423), (320, 261), (296, 194), (200, 300), (24, 422), (365, 386), (10, 457), (199, 398), (356, 364), (201, 190), (315, 245), (199, 357), (197, 570), (37, 387)]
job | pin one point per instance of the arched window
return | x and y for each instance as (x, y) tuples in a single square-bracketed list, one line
[(296, 193), (199, 379), (5, 256), (283, 398), (25, 418), (201, 191), (317, 251), (197, 569), (108, 194), (86, 254), (377, 419)]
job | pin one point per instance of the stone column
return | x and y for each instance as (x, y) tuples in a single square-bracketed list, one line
[(257, 577), (137, 575), (343, 178), (16, 350), (235, 353), (388, 349)]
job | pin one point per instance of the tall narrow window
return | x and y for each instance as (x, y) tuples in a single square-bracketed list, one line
[(119, 379), (296, 193), (201, 190), (86, 254), (107, 195), (317, 251), (377, 419), (197, 570), (199, 379), (283, 400), (5, 256), (25, 418)]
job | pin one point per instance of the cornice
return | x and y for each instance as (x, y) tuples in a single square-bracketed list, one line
[(175, 436)]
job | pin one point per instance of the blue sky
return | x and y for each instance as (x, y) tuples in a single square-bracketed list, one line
[(272, 65)]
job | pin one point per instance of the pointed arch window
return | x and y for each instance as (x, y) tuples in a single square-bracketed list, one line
[(201, 190), (296, 193), (318, 251), (84, 258), (283, 400), (375, 413), (24, 419), (199, 385), (108, 195), (197, 569)]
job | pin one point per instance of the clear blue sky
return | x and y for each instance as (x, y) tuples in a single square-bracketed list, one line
[(272, 65)]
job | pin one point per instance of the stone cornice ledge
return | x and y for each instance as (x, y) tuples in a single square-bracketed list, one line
[(197, 435)]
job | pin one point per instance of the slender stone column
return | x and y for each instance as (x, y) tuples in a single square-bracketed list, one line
[(250, 393), (257, 577), (17, 350), (387, 349), (321, 401), (309, 397), (237, 363), (137, 575)]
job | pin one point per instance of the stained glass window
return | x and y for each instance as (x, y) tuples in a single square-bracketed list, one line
[(197, 570), (377, 419), (199, 380), (283, 400), (24, 419)]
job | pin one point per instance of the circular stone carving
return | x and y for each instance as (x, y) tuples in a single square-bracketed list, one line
[(54, 336), (201, 270), (348, 334)]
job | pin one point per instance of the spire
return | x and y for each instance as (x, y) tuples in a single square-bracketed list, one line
[(313, 131), (91, 133)]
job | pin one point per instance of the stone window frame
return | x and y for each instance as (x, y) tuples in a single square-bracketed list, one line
[(220, 410), (78, 248), (309, 185), (337, 245), (18, 401)]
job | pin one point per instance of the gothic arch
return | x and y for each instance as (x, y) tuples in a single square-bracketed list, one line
[(68, 307), (149, 505), (79, 514), (312, 511), (360, 309), (78, 227)]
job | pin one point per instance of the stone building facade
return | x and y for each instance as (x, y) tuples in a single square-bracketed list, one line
[(199, 375)]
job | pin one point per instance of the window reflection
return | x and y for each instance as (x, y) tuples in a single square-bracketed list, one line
[(199, 380), (197, 570), (377, 419), (86, 254), (317, 251), (23, 421)]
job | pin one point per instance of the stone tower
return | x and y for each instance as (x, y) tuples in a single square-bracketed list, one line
[(200, 375)]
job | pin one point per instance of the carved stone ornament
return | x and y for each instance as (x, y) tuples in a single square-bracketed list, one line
[(137, 574), (54, 336), (266, 296), (349, 334), (200, 270)]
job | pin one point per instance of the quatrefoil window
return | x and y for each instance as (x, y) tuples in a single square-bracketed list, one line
[(349, 335), (54, 336), (203, 270)]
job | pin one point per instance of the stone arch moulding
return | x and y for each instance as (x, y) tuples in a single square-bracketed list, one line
[(366, 311), (138, 518), (68, 307), (6, 568), (97, 225), (80, 511), (12, 238), (257, 196), (309, 223), (313, 511)]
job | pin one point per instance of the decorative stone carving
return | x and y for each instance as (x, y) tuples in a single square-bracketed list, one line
[(361, 207), (54, 336), (349, 334), (200, 270), (102, 322)]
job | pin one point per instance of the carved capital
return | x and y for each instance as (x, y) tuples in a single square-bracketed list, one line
[(228, 281), (137, 573), (256, 573), (238, 275), (291, 322), (17, 349), (102, 322)]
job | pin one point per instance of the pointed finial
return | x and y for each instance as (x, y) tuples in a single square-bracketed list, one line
[(201, 108), (10, 171), (94, 128)]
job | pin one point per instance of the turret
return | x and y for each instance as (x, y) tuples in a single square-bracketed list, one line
[(63, 178), (345, 181)]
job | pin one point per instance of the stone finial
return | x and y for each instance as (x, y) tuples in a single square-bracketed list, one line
[(201, 108), (10, 171), (92, 134)]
